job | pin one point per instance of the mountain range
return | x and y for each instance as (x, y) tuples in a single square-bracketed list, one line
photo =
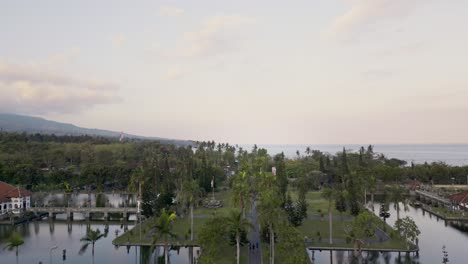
[(30, 124)]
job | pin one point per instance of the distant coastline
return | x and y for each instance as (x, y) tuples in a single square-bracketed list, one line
[(451, 154)]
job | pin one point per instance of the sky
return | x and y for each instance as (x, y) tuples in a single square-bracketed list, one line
[(243, 72)]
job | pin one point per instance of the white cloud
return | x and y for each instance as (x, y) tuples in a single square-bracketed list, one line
[(215, 35), (33, 90), (171, 11), (363, 12)]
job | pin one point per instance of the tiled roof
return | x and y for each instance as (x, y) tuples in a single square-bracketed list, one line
[(8, 191), (460, 197)]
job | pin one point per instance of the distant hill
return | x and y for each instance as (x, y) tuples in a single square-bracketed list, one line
[(31, 125)]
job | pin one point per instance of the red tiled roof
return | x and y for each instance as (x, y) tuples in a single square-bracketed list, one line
[(8, 191), (460, 197)]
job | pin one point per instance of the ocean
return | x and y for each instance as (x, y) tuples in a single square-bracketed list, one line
[(451, 154)]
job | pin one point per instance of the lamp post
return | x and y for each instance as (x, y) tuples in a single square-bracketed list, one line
[(50, 253)]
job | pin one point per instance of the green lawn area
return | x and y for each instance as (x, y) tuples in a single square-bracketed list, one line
[(318, 230), (315, 202), (312, 229), (181, 227)]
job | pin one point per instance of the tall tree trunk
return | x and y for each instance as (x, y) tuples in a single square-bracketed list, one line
[(166, 254), (372, 198), (365, 197), (330, 220), (238, 248), (139, 191), (398, 210), (191, 222), (93, 249), (17, 259)]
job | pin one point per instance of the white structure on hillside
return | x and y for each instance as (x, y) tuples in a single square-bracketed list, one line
[(13, 199)]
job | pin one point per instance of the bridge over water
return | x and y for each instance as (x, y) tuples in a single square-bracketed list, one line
[(432, 197), (86, 211)]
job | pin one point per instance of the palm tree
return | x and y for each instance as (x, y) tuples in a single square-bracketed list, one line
[(396, 196), (371, 184), (163, 226), (270, 214), (307, 151), (328, 194), (189, 195), (14, 242), (137, 180), (91, 237), (240, 190), (237, 224)]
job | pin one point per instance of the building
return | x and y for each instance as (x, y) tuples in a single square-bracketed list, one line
[(13, 199), (460, 199)]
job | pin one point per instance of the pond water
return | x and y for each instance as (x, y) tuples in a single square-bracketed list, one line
[(40, 236), (435, 233)]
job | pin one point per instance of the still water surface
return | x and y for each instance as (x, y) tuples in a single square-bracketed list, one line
[(40, 236), (435, 233)]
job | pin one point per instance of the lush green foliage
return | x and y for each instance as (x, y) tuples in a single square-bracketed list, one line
[(408, 229)]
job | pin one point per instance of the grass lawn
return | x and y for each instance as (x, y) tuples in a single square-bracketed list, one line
[(181, 227), (317, 228)]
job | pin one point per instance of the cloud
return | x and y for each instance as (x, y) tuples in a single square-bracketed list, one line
[(34, 91), (171, 11), (173, 74), (118, 40), (364, 12), (215, 35)]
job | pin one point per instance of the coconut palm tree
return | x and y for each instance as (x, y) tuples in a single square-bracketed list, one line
[(137, 180), (240, 190), (163, 228), (189, 195), (237, 224), (91, 237), (372, 185), (328, 194), (270, 213), (397, 196), (14, 242)]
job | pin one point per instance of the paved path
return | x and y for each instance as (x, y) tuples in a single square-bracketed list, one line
[(255, 255)]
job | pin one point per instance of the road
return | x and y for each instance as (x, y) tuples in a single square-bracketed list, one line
[(255, 255)]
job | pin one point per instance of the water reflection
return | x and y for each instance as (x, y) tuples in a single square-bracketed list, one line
[(41, 236), (435, 233)]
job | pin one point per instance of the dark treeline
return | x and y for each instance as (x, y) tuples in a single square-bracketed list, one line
[(368, 164), (46, 162), (25, 137)]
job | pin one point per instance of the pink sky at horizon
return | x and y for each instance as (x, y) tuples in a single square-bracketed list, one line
[(265, 72)]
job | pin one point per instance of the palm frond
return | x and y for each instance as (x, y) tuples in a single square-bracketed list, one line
[(83, 248)]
